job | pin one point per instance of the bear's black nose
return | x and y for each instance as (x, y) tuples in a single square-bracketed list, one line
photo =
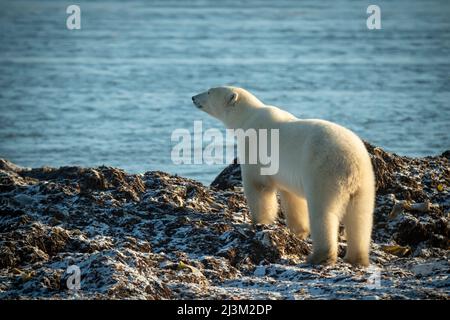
[(193, 99)]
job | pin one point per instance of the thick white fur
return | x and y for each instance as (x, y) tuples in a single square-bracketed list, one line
[(325, 175)]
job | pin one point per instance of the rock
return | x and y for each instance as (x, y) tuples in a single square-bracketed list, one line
[(229, 178), (158, 236), (6, 165)]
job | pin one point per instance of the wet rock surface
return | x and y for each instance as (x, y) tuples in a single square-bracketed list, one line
[(158, 236)]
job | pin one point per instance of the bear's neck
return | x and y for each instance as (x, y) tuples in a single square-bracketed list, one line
[(239, 119)]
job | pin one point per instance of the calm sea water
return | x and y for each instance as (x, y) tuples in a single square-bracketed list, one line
[(113, 92)]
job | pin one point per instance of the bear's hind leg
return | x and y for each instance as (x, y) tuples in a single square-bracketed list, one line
[(358, 227), (262, 202), (325, 210), (295, 209)]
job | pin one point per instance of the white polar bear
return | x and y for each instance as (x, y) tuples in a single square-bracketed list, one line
[(325, 175)]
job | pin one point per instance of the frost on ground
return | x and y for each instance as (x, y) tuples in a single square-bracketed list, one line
[(158, 236)]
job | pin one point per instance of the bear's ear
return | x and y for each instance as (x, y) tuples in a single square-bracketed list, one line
[(232, 99)]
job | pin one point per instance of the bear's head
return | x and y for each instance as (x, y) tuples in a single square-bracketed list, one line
[(225, 103)]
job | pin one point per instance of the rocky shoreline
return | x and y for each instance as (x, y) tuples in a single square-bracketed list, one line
[(159, 236)]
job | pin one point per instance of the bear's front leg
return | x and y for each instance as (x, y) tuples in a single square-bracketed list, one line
[(261, 200)]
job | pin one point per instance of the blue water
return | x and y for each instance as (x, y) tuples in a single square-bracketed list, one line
[(113, 92)]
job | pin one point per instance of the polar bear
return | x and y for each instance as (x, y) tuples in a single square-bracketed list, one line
[(325, 175)]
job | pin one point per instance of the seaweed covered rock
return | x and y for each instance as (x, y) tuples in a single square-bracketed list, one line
[(158, 236)]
